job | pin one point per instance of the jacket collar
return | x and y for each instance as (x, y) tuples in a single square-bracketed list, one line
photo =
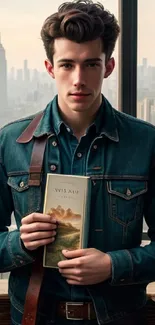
[(109, 126), (44, 127)]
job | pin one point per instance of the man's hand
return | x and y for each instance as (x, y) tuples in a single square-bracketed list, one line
[(37, 230), (85, 266)]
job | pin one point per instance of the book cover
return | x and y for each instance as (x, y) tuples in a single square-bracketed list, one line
[(68, 198)]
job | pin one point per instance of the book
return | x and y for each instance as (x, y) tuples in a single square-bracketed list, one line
[(67, 197)]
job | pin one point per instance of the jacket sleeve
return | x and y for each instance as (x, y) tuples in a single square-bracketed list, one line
[(137, 265), (12, 254)]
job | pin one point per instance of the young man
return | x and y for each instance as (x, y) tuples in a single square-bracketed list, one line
[(105, 283)]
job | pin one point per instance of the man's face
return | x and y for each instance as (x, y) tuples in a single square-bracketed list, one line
[(79, 70)]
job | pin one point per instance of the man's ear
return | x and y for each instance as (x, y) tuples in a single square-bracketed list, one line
[(109, 67), (49, 68)]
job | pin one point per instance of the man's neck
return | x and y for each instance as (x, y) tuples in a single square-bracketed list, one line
[(79, 122)]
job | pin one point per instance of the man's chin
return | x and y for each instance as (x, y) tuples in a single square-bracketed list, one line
[(79, 108)]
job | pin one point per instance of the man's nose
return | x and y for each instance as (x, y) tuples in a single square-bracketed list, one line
[(79, 78)]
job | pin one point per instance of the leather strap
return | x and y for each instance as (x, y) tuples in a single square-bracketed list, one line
[(37, 161), (27, 134), (33, 291), (38, 150)]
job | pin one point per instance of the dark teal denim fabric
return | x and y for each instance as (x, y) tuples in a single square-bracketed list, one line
[(120, 160)]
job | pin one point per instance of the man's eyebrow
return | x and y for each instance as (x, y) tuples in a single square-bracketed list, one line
[(94, 59), (85, 61)]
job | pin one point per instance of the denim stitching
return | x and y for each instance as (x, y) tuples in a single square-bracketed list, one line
[(118, 177), (113, 204), (30, 192), (15, 303), (17, 173), (8, 268), (13, 322)]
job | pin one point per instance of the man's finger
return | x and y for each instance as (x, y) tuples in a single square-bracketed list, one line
[(38, 217), (71, 277), (75, 262), (37, 226), (74, 253), (33, 245), (74, 282), (27, 237), (70, 271)]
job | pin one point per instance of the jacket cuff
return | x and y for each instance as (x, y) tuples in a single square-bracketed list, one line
[(122, 267), (19, 255)]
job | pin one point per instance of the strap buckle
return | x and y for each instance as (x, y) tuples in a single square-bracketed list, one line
[(69, 310)]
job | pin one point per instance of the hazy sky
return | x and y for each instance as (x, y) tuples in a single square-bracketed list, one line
[(21, 21)]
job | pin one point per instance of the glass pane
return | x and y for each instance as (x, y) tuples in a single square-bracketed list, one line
[(146, 65), (110, 85), (25, 86), (146, 61)]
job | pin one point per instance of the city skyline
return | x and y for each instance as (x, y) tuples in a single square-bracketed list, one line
[(9, 67), (25, 88), (20, 30)]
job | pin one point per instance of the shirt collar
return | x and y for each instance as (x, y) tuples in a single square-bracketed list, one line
[(105, 121), (56, 119)]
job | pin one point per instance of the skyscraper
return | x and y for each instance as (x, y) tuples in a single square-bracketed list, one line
[(3, 79), (26, 73)]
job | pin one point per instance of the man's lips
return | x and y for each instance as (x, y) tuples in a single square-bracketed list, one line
[(79, 94)]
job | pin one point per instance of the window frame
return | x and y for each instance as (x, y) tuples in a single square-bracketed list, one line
[(128, 49), (128, 56)]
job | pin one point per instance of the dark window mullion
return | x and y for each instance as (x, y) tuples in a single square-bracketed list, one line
[(128, 56)]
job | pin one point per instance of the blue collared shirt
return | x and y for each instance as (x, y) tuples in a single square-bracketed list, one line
[(73, 155)]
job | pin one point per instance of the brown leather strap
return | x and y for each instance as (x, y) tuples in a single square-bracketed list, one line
[(38, 150), (33, 291), (27, 135), (37, 161)]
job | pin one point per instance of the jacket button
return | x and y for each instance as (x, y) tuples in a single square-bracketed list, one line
[(54, 143), (21, 184), (53, 167), (79, 154), (128, 192), (21, 262), (95, 146)]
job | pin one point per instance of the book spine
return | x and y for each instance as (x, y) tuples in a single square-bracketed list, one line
[(86, 214)]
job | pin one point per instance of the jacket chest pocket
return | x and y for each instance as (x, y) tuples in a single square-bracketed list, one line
[(126, 200), (26, 199)]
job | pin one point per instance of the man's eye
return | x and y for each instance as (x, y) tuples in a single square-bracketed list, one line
[(66, 66), (92, 65)]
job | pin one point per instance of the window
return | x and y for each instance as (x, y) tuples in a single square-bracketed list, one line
[(25, 86), (146, 62), (110, 85)]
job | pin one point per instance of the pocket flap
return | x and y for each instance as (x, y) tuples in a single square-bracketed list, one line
[(19, 182), (127, 189)]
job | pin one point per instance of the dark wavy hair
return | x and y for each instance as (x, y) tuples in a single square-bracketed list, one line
[(80, 21)]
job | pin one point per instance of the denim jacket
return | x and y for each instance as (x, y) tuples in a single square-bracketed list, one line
[(121, 163)]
